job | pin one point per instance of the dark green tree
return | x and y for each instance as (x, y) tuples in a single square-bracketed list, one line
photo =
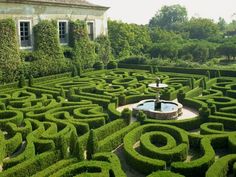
[(83, 48), (222, 24), (201, 28), (9, 50), (62, 93), (31, 80), (164, 50), (103, 49), (48, 57), (141, 116), (74, 72), (227, 49), (127, 115), (21, 82), (128, 39), (169, 17), (92, 145)]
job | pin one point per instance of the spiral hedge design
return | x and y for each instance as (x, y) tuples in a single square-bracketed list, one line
[(69, 126)]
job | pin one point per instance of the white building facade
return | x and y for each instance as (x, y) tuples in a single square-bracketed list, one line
[(28, 13)]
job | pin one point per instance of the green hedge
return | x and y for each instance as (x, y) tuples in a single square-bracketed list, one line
[(211, 128), (55, 167), (102, 165), (83, 48), (9, 51), (164, 174), (199, 166), (170, 152), (33, 165), (114, 140), (10, 116), (142, 163), (222, 166)]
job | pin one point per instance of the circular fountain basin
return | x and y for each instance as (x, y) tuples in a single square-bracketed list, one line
[(169, 110)]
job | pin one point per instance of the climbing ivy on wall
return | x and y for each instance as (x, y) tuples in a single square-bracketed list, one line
[(9, 52), (83, 48)]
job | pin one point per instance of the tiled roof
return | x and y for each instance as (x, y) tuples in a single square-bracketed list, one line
[(61, 2)]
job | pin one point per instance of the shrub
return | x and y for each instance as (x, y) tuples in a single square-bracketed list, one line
[(92, 146), (83, 48), (22, 82), (31, 81), (74, 72), (141, 116), (79, 68), (134, 60), (127, 115), (103, 49), (49, 58), (46, 39), (98, 65), (9, 51), (112, 64)]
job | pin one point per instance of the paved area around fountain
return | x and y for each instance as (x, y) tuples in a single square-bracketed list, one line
[(188, 113)]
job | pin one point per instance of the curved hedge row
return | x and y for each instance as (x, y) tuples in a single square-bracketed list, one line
[(46, 127)]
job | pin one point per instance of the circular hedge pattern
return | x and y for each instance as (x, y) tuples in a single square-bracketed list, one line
[(69, 126)]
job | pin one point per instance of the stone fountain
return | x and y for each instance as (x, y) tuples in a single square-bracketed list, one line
[(157, 108)]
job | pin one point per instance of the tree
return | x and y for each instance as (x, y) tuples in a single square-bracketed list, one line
[(92, 146), (159, 35), (21, 82), (83, 48), (201, 28), (164, 50), (103, 49), (200, 53), (128, 39), (126, 114), (169, 17), (31, 80), (199, 50), (222, 24), (9, 51), (48, 55), (227, 49), (231, 28)]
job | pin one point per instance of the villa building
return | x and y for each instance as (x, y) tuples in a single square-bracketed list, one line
[(28, 13)]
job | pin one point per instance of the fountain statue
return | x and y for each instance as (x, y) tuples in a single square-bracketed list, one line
[(157, 108)]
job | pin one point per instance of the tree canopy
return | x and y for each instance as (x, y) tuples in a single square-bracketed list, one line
[(169, 17)]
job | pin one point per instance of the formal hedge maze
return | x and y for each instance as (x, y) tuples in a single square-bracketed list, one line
[(70, 126)]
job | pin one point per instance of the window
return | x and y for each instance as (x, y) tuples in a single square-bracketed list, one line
[(90, 30), (63, 31), (25, 33)]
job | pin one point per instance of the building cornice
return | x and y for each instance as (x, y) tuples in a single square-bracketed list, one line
[(32, 2)]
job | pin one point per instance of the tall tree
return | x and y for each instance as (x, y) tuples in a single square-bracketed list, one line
[(84, 49), (222, 24), (128, 39), (169, 17), (103, 49), (9, 51), (201, 28)]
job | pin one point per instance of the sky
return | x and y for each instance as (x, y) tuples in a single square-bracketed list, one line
[(141, 11)]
